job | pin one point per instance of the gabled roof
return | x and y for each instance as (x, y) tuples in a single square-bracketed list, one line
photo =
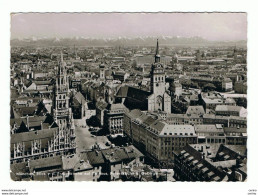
[(95, 158), (26, 138), (45, 163), (101, 105), (80, 98), (24, 111)]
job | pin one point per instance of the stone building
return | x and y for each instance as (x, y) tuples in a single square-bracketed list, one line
[(154, 137), (47, 138), (113, 118), (159, 100)]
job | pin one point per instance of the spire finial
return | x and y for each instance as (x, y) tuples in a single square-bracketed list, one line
[(157, 48)]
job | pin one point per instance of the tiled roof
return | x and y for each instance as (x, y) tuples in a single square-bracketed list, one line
[(45, 163), (95, 157), (26, 137)]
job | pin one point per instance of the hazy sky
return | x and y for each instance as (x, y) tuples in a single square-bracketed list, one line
[(212, 26)]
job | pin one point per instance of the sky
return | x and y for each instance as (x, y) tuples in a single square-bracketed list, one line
[(211, 26)]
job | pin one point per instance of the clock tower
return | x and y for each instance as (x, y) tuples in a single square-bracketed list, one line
[(65, 139), (157, 75), (159, 100)]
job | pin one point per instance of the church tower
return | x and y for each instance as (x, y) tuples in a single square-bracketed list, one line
[(159, 100), (157, 75), (62, 111), (102, 75)]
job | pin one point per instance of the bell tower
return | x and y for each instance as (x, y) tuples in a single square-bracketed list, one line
[(159, 100), (157, 75), (102, 72)]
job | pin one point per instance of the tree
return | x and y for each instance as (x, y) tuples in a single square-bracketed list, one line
[(92, 121), (186, 83), (209, 87)]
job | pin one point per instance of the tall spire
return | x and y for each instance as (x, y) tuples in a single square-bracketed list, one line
[(157, 47), (157, 56), (62, 59)]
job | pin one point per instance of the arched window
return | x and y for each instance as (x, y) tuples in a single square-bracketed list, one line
[(64, 96)]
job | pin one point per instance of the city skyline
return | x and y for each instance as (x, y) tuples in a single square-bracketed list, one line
[(210, 26)]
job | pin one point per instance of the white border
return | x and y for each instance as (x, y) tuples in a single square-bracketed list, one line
[(132, 6)]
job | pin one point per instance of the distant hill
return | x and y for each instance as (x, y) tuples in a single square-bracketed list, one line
[(124, 41)]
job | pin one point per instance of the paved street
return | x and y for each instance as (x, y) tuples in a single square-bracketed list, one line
[(84, 139)]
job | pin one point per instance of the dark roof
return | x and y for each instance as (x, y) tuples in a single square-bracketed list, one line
[(44, 82), (95, 158), (24, 111), (18, 168), (43, 135), (232, 151), (239, 149), (136, 98), (35, 121), (45, 163), (235, 130), (122, 92), (112, 155), (200, 163)]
